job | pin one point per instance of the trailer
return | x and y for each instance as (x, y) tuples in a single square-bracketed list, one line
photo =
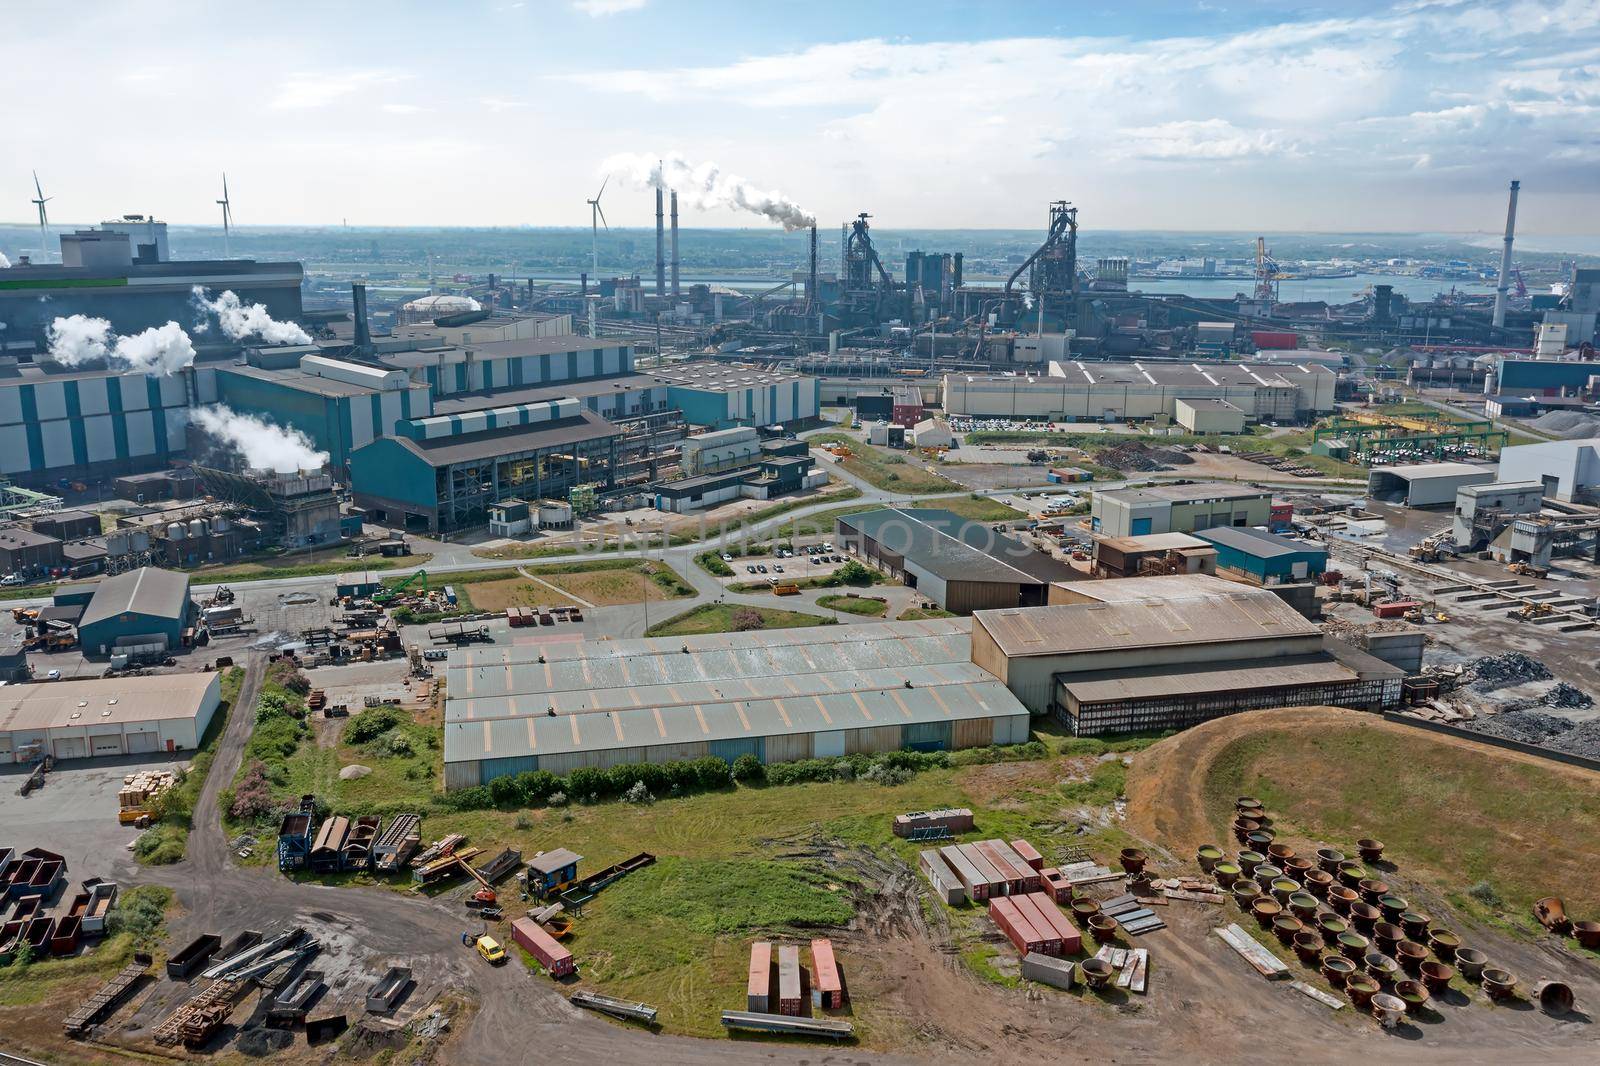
[(830, 1028), (590, 886), (556, 960), (383, 995), (552, 871), (193, 956), (459, 633), (617, 1008), (106, 998)]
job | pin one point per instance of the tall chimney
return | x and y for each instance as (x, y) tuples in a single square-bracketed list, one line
[(358, 299), (661, 252), (674, 244), (1505, 259), (583, 284), (812, 303)]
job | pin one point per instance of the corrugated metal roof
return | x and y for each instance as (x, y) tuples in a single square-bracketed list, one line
[(102, 701), (1080, 627), (955, 548), (490, 444), (1195, 491), (147, 591), (1156, 587), (639, 693), (1423, 471), (1259, 543), (1102, 686)]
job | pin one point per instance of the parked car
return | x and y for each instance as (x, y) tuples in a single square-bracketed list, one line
[(750, 569), (777, 568)]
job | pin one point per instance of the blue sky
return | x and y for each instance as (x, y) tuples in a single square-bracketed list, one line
[(1199, 115)]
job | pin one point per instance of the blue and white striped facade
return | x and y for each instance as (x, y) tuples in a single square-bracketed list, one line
[(68, 422), (480, 371), (522, 414)]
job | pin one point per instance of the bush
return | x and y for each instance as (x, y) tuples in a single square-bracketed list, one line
[(748, 769), (884, 774), (252, 796), (747, 618), (711, 563), (277, 705), (638, 794), (1485, 894), (372, 724), (286, 675), (853, 573), (557, 799), (476, 798), (395, 743)]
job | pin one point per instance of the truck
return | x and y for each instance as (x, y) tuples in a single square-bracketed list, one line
[(459, 633), (490, 949)]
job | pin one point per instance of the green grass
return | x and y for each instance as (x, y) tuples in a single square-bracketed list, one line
[(916, 614), (168, 840), (882, 468), (719, 618), (284, 566), (863, 605), (711, 562), (136, 925), (973, 507), (1288, 445), (1449, 815)]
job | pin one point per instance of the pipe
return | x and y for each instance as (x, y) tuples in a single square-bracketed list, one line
[(358, 300), (674, 244), (1505, 259), (812, 302), (661, 260)]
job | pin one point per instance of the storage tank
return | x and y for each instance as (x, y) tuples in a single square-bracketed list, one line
[(197, 527), (221, 525), (175, 531), (117, 543), (139, 540)]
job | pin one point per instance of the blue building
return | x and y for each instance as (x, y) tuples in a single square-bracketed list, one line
[(138, 608), (1267, 557)]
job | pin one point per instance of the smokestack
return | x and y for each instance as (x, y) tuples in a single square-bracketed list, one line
[(358, 298), (1505, 259), (812, 303), (583, 284), (661, 252), (674, 244)]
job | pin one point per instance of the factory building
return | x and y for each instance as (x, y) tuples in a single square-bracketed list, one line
[(1177, 508), (1203, 416), (486, 327), (961, 565), (140, 609), (766, 480), (94, 718), (1266, 557), (1568, 469), (719, 396), (723, 449), (1153, 553), (1426, 484), (1098, 392), (1169, 652), (448, 369), (1484, 512), (778, 695), (23, 551)]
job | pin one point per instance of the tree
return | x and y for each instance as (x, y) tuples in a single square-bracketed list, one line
[(853, 573), (747, 618)]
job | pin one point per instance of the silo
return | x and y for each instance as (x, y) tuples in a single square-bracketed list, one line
[(175, 531)]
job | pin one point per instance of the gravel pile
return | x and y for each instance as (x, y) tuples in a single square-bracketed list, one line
[(1546, 730), (1570, 425), (1565, 695), (1137, 456), (1500, 671)]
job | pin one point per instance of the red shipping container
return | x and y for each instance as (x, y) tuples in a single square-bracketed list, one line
[(542, 946), (992, 875), (1054, 885), (1274, 339), (789, 990), (997, 858), (827, 968), (758, 992), (1071, 939), (1026, 874), (1049, 935), (1017, 929), (1394, 608), (1029, 853)]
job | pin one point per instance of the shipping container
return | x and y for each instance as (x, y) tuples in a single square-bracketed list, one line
[(1009, 871), (1025, 871), (943, 879), (1049, 935), (1017, 929), (68, 931), (1029, 854), (1394, 608), (1058, 973), (1071, 939), (830, 987), (1055, 885), (1280, 340), (556, 959), (976, 884), (193, 956), (789, 985), (955, 819), (758, 992)]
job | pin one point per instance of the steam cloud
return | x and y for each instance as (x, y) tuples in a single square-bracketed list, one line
[(79, 339), (707, 187), (263, 444), (240, 320)]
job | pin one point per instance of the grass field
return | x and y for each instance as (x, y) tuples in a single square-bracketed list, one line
[(915, 614), (882, 468), (295, 565), (867, 606), (723, 618), (1293, 443), (1457, 815), (644, 579), (973, 507)]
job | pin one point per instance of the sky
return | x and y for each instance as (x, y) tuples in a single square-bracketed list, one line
[(1206, 115)]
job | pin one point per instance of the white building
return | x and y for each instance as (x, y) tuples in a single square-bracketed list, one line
[(724, 449), (1569, 469), (106, 717), (931, 433), (1427, 484)]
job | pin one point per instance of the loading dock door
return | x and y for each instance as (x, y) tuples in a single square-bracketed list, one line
[(111, 745), (143, 742), (69, 748), (1141, 527)]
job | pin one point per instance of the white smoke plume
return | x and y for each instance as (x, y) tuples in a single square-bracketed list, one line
[(707, 187), (4, 262), (263, 444), (78, 339), (240, 320)]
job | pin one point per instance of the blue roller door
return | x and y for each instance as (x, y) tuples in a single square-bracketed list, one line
[(927, 736)]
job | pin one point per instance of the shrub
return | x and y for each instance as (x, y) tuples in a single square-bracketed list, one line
[(505, 791), (372, 724), (747, 618), (853, 573), (748, 768), (252, 796), (884, 774), (638, 794), (476, 798), (285, 674), (712, 563), (276, 705), (396, 743), (1485, 894), (557, 799)]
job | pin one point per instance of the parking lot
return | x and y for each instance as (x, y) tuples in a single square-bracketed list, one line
[(807, 560)]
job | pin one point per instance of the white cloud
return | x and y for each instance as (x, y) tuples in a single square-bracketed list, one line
[(405, 109), (309, 89), (1208, 140), (496, 104), (603, 8)]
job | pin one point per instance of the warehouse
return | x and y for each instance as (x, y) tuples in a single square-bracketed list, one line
[(1098, 392), (1153, 553), (1209, 416), (536, 361), (1266, 557), (721, 396), (724, 449), (22, 551), (80, 719), (1426, 484), (779, 695), (142, 608), (1177, 508), (1168, 652), (766, 480), (1569, 469), (961, 565)]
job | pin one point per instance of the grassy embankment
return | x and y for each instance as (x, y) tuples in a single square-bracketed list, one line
[(882, 468), (167, 840), (602, 582), (1491, 832), (866, 606), (728, 618)]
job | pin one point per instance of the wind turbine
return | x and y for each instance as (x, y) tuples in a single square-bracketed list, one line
[(44, 219), (227, 217), (596, 217)]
